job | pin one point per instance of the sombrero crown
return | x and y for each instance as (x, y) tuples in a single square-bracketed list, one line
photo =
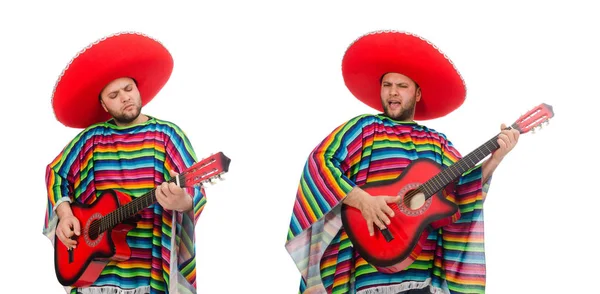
[(372, 55), (128, 54)]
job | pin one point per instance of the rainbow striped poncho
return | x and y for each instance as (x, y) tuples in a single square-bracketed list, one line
[(372, 148), (134, 160)]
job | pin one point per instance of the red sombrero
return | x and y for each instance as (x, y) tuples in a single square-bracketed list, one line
[(371, 56), (75, 97)]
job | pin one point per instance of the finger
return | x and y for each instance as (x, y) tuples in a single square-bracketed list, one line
[(65, 239), (160, 197), (164, 185), (66, 231), (504, 136), (383, 218), (517, 133), (388, 210), (60, 235), (502, 126), (511, 141), (502, 144), (392, 199), (514, 135), (163, 199), (379, 223), (503, 140), (71, 242), (163, 195), (510, 135), (76, 227), (164, 189), (172, 173), (370, 227), (173, 188)]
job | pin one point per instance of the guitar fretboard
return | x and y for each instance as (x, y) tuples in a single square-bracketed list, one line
[(128, 210), (453, 172)]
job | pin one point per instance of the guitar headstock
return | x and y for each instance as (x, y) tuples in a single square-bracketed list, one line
[(205, 170), (534, 118)]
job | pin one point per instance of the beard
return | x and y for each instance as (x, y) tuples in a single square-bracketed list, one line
[(124, 117), (407, 111)]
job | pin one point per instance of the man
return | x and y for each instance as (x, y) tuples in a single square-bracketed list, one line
[(103, 90), (407, 79)]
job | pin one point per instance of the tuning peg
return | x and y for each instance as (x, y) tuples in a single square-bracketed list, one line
[(547, 122), (533, 130)]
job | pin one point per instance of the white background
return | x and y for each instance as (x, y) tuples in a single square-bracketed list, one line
[(262, 83)]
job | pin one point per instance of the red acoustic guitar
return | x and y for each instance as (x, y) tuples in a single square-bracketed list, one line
[(104, 227), (423, 206)]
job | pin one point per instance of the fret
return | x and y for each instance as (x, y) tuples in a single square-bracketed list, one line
[(129, 210), (453, 172)]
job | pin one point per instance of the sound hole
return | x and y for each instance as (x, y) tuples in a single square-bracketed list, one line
[(91, 231), (94, 228), (414, 199)]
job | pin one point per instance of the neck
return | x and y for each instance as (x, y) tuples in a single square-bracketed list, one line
[(138, 120), (406, 120)]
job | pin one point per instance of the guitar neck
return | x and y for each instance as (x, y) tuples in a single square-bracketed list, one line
[(453, 172), (128, 210), (203, 171)]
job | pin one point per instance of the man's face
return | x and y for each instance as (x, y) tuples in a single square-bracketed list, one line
[(399, 96), (121, 99)]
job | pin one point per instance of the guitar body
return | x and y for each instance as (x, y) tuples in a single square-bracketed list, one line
[(409, 227), (83, 265)]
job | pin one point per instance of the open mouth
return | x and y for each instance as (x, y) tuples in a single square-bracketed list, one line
[(394, 104)]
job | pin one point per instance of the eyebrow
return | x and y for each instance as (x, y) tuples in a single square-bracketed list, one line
[(400, 83), (128, 84)]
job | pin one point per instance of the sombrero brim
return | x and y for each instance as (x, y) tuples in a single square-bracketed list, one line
[(371, 56), (134, 55)]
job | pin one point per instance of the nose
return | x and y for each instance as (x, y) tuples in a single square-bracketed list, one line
[(394, 91), (124, 96)]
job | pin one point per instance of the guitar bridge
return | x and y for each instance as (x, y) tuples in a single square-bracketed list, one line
[(71, 250), (387, 235)]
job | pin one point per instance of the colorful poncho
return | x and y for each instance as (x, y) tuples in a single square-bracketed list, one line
[(133, 160), (373, 148)]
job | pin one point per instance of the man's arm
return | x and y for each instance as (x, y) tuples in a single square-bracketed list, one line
[(60, 178)]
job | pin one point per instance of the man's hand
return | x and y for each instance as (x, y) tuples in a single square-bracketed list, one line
[(68, 225), (172, 197), (375, 210), (507, 140)]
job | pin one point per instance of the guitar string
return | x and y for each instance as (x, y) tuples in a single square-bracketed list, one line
[(108, 221), (111, 219), (425, 189)]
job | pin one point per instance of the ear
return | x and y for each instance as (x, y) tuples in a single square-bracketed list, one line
[(103, 106), (418, 94)]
